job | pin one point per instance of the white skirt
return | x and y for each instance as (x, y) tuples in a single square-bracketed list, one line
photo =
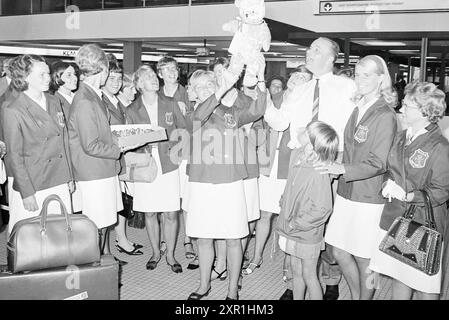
[(102, 199), (161, 195), (252, 198), (183, 178), (271, 189), (17, 212), (411, 277), (216, 211), (353, 226), (77, 199)]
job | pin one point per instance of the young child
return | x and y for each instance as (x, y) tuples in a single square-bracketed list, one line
[(306, 205)]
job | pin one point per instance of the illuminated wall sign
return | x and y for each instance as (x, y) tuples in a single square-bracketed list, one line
[(380, 6), (68, 53)]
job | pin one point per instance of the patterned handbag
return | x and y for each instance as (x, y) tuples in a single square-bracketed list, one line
[(413, 243)]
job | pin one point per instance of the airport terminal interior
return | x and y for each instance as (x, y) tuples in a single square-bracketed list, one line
[(411, 36)]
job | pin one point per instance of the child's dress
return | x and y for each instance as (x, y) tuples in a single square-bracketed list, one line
[(305, 207)]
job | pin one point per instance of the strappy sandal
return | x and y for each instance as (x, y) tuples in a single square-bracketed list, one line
[(194, 264), (163, 248), (251, 267), (220, 275), (189, 254)]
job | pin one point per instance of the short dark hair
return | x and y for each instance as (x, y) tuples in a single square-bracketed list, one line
[(115, 67), (219, 61), (57, 69), (276, 77), (21, 68), (164, 61)]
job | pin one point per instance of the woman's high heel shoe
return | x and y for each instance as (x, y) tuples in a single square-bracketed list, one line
[(198, 296), (251, 267), (134, 252), (176, 267)]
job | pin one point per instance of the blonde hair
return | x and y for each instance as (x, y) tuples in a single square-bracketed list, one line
[(127, 81), (91, 60), (143, 72), (386, 89), (324, 140), (429, 99), (198, 75)]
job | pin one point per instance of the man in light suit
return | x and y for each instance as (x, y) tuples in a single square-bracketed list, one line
[(335, 106)]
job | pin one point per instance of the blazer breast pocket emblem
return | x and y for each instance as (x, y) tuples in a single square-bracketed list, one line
[(169, 118), (61, 119), (361, 134), (229, 121), (418, 159)]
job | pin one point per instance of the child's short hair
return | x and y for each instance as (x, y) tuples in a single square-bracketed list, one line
[(324, 140), (164, 61), (114, 64)]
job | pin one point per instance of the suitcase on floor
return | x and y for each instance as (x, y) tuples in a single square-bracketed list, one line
[(95, 281)]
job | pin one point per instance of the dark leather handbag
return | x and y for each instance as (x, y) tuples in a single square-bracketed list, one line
[(413, 243), (127, 200), (52, 240), (137, 221)]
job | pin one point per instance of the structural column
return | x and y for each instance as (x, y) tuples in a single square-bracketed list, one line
[(347, 51), (423, 65), (443, 69), (132, 56)]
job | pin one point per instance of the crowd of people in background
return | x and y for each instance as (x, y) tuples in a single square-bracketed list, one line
[(324, 152)]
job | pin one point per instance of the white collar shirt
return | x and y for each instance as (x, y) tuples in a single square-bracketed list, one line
[(67, 97), (364, 106), (151, 110), (97, 91), (412, 136), (112, 99), (42, 102), (335, 107)]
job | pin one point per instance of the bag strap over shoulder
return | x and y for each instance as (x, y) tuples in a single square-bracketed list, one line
[(43, 214)]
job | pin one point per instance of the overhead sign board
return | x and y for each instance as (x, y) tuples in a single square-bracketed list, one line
[(381, 6)]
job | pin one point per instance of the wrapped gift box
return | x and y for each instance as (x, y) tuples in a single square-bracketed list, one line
[(138, 134)]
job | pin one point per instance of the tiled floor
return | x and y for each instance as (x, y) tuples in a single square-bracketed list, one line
[(162, 284)]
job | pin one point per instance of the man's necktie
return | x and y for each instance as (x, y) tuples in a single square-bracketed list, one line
[(316, 101), (105, 105)]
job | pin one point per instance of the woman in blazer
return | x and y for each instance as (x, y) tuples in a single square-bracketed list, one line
[(162, 195), (117, 116), (64, 81), (36, 139), (216, 173), (168, 71), (369, 133), (418, 160), (93, 149)]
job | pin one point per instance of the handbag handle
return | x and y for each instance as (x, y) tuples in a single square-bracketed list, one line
[(430, 218), (43, 214)]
